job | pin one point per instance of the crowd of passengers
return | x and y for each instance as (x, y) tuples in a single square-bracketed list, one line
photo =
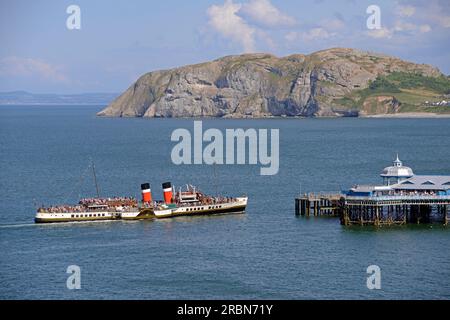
[(89, 205), (409, 193), (108, 201), (207, 200)]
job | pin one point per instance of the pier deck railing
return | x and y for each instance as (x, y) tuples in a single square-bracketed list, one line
[(400, 197), (320, 195), (398, 200)]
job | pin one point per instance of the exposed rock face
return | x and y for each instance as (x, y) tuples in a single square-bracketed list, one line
[(258, 85), (380, 105)]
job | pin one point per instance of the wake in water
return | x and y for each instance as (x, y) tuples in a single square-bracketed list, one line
[(17, 225)]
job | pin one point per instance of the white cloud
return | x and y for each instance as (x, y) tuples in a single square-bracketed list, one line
[(380, 33), (266, 38), (406, 10), (430, 12), (313, 34), (28, 67), (424, 28), (245, 23), (401, 26), (444, 21), (224, 19), (251, 23), (404, 26), (291, 36), (263, 12), (333, 24), (316, 33)]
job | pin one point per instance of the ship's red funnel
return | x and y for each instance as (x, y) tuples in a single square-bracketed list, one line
[(168, 195), (146, 192)]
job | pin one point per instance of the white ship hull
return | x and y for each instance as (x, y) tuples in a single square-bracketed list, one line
[(46, 217), (234, 207)]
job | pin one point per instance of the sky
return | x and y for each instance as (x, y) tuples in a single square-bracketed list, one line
[(120, 40)]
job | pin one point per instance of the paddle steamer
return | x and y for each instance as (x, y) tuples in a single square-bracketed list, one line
[(188, 202)]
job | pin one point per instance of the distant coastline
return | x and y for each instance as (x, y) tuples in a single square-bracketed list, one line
[(52, 104), (27, 98)]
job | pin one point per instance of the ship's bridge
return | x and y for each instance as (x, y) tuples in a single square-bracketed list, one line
[(396, 173)]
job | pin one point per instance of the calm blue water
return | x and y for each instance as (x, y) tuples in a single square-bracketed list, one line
[(266, 254)]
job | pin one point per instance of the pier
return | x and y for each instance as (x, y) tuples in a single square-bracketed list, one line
[(403, 198), (319, 204), (376, 210)]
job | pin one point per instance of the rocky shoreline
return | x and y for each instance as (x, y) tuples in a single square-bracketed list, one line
[(410, 115)]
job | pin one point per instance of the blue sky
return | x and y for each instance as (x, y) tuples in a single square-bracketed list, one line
[(120, 40)]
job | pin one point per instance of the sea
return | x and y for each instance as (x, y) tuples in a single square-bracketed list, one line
[(266, 253)]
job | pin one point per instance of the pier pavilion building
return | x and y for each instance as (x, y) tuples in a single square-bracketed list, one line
[(400, 180)]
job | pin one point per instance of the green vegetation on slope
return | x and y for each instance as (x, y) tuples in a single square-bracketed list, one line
[(410, 89), (404, 80)]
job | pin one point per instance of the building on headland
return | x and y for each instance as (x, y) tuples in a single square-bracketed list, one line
[(442, 103), (404, 197)]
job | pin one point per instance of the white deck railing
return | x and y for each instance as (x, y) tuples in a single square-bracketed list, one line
[(400, 197)]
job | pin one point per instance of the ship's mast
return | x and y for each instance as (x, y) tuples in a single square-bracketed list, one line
[(95, 179)]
